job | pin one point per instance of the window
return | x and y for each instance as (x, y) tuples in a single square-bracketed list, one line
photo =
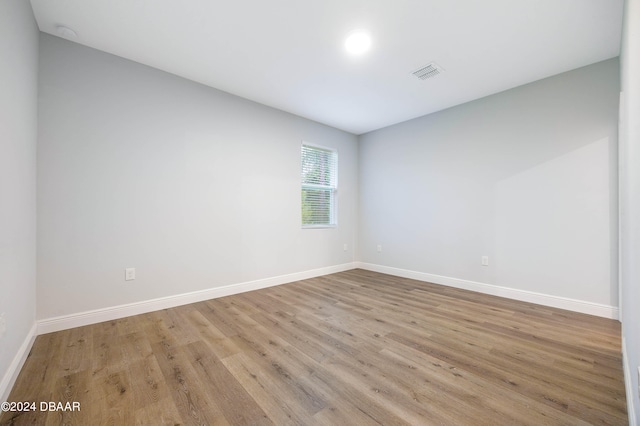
[(319, 185)]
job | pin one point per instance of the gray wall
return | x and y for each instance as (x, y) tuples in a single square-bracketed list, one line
[(193, 187), (18, 135), (526, 177), (630, 202)]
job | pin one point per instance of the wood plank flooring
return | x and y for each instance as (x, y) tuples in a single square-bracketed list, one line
[(353, 348)]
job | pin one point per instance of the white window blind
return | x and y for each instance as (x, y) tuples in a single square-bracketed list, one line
[(319, 184)]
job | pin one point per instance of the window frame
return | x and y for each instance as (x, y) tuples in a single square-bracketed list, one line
[(333, 214)]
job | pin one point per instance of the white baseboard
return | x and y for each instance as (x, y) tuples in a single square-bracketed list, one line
[(12, 372), (628, 384), (510, 293), (65, 322)]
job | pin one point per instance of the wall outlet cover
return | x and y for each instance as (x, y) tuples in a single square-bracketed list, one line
[(130, 274), (3, 325)]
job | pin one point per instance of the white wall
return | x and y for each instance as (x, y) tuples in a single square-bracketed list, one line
[(630, 202), (526, 177), (18, 136), (193, 187), (556, 214)]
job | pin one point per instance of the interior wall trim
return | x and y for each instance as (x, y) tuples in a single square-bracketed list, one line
[(79, 319), (628, 384), (575, 305), (12, 372)]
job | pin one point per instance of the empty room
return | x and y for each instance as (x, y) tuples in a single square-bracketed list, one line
[(319, 213)]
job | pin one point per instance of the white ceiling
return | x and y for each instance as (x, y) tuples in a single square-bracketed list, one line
[(289, 54)]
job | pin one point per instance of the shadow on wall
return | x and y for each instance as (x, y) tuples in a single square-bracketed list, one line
[(552, 227)]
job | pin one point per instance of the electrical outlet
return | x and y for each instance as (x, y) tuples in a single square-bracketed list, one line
[(3, 325), (345, 247), (379, 248), (485, 260), (130, 274)]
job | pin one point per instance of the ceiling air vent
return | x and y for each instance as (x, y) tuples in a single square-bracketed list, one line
[(428, 71)]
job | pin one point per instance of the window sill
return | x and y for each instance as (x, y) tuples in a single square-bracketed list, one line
[(318, 226)]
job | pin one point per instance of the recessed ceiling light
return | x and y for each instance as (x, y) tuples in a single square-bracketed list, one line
[(357, 42), (66, 32)]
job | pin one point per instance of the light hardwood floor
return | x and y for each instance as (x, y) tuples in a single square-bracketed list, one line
[(353, 348)]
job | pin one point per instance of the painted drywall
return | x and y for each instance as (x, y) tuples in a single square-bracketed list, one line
[(18, 137), (526, 177), (193, 187), (630, 202), (557, 214)]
